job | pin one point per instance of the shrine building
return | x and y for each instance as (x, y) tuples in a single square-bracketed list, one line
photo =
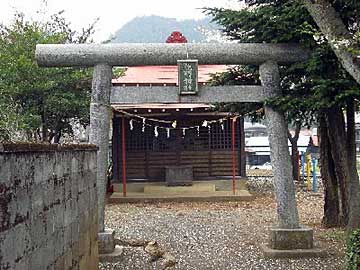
[(193, 137)]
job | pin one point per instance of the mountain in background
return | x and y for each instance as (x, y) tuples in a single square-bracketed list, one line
[(155, 29)]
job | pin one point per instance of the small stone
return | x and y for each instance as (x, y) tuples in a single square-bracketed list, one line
[(154, 250), (169, 260)]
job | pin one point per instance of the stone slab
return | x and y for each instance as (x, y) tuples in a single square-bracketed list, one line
[(217, 196), (106, 241), (292, 254), (220, 185), (204, 187), (114, 256), (181, 175)]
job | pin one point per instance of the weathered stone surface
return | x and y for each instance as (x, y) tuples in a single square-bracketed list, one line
[(288, 216), (179, 175), (292, 243), (114, 256), (166, 54), (293, 253), (169, 94), (99, 130), (106, 241), (42, 207), (39, 148), (300, 238)]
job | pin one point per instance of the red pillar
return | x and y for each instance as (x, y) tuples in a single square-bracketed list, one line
[(123, 146)]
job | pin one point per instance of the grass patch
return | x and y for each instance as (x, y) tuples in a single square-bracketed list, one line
[(333, 235)]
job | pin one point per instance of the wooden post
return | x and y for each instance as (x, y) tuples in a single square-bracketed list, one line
[(210, 163), (123, 149), (115, 149), (233, 154), (178, 147), (146, 133)]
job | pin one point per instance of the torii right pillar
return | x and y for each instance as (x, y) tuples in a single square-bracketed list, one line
[(288, 238)]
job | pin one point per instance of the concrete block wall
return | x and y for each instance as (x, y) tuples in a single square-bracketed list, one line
[(48, 207)]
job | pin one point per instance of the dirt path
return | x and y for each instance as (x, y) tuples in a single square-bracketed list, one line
[(216, 235)]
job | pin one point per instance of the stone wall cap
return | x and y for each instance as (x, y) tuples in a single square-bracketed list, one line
[(43, 147)]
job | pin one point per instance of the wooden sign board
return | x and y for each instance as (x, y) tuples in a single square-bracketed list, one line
[(188, 76)]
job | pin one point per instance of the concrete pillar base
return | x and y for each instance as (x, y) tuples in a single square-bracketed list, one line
[(114, 256), (299, 238), (291, 243), (106, 241), (293, 253)]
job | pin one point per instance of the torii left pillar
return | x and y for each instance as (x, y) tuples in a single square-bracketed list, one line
[(99, 135)]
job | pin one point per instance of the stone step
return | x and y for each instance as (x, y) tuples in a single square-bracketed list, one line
[(163, 189), (220, 185), (217, 196)]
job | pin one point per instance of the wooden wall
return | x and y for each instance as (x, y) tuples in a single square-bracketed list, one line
[(205, 164), (150, 164)]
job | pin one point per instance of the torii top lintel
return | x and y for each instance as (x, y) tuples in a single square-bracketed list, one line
[(137, 54)]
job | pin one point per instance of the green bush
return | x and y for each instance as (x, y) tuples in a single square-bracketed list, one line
[(353, 251)]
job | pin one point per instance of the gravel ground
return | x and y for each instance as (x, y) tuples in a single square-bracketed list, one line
[(217, 235)]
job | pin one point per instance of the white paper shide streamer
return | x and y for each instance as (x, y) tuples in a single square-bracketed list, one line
[(174, 125), (143, 126)]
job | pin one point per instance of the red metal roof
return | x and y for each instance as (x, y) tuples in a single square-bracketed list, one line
[(160, 75)]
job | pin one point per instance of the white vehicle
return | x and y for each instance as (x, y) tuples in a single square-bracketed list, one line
[(265, 166)]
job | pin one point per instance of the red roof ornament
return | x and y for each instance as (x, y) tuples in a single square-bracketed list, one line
[(176, 37)]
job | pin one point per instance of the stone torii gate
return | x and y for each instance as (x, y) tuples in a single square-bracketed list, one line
[(288, 234)]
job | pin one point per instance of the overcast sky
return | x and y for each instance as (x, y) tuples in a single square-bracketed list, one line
[(112, 13)]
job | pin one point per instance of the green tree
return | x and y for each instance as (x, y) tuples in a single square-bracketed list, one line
[(319, 88), (43, 101), (341, 35)]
